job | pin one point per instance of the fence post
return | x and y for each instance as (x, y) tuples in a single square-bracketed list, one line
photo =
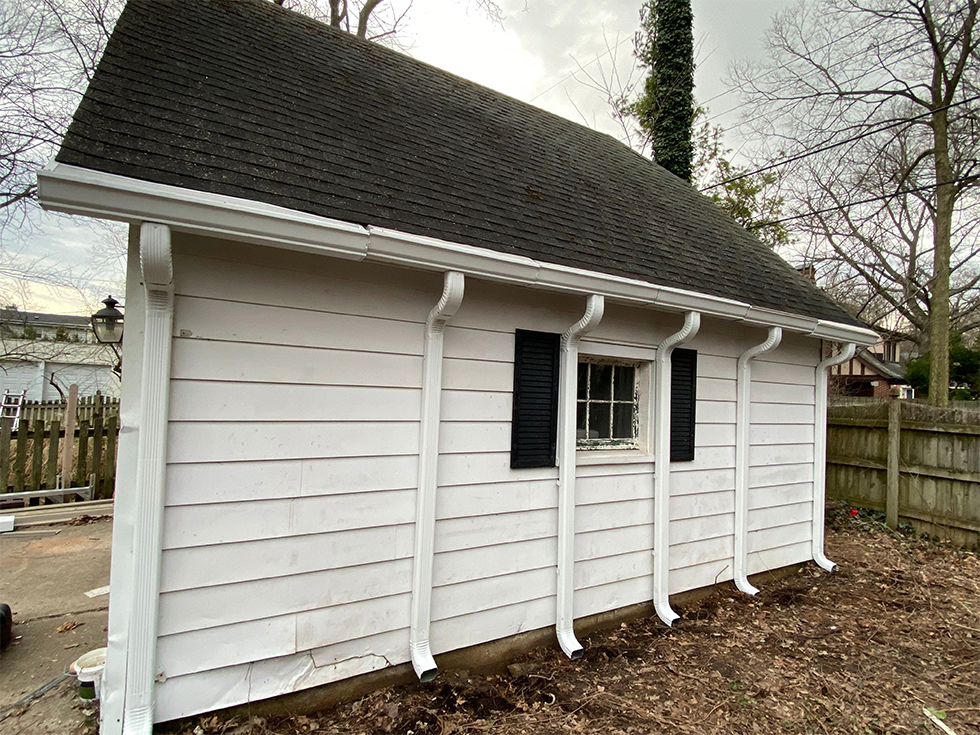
[(70, 414), (894, 457)]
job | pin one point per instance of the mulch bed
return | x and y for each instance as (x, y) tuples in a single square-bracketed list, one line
[(864, 650)]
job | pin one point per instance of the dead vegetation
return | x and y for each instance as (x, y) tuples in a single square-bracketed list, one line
[(894, 631)]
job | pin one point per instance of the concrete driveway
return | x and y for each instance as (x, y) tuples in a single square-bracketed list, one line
[(45, 572)]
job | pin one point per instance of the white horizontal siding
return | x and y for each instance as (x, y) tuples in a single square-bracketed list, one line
[(293, 463)]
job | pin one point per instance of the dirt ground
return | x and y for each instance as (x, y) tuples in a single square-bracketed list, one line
[(894, 631), (44, 574)]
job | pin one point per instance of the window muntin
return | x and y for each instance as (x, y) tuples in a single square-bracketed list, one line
[(608, 404)]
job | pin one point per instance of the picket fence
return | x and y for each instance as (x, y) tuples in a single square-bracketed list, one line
[(34, 457)]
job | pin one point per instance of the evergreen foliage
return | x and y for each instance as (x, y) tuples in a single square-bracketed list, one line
[(665, 46)]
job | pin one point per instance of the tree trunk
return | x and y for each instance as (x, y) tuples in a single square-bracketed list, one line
[(939, 292)]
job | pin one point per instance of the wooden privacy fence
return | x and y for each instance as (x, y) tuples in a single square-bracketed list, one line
[(33, 457), (88, 408), (919, 464)]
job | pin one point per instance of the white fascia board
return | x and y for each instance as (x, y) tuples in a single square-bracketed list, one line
[(835, 332), (75, 190), (772, 318), (429, 253), (83, 191)]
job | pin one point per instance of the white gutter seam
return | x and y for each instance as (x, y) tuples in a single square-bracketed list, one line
[(661, 474), (567, 401), (425, 521), (743, 424), (83, 191), (157, 271), (820, 455)]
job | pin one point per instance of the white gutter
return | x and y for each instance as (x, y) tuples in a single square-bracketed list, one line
[(743, 423), (84, 191), (661, 475), (567, 405), (820, 455), (157, 271), (425, 520)]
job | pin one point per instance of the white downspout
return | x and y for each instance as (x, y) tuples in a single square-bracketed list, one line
[(820, 455), (567, 402), (743, 423), (661, 475), (425, 519), (151, 470)]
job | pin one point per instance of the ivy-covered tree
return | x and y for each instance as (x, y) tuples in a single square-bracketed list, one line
[(665, 109)]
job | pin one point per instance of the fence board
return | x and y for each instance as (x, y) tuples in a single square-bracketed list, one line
[(112, 431), (96, 455), (20, 459), (37, 455), (6, 426), (54, 438), (81, 463)]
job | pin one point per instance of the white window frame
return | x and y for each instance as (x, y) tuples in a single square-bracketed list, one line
[(640, 450)]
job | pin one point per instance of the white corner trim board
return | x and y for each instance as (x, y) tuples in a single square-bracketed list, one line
[(84, 191), (742, 426), (820, 455), (661, 473), (425, 518), (157, 271), (567, 394)]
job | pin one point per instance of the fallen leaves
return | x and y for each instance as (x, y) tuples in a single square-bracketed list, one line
[(812, 653), (70, 625)]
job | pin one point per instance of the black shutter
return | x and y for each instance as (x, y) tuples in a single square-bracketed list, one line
[(534, 432), (683, 400)]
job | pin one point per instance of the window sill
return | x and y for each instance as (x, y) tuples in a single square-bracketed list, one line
[(585, 457)]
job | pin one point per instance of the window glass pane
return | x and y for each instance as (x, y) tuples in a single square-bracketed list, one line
[(580, 422), (625, 383), (599, 418), (600, 387), (622, 420), (583, 377)]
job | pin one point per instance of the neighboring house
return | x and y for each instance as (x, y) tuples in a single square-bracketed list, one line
[(872, 372), (44, 354), (349, 442)]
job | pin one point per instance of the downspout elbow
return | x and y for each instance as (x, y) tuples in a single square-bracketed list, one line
[(661, 494), (564, 627), (743, 423)]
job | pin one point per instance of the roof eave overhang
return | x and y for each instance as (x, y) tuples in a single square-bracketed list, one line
[(83, 191)]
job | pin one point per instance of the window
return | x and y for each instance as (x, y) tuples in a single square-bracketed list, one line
[(608, 405)]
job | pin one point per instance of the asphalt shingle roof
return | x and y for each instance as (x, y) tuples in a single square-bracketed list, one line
[(247, 99)]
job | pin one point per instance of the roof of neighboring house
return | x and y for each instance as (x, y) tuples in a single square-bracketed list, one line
[(250, 100), (888, 370), (39, 319)]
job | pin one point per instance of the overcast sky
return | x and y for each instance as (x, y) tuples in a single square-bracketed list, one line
[(541, 54)]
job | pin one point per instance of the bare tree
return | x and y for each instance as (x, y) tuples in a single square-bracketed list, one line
[(897, 81)]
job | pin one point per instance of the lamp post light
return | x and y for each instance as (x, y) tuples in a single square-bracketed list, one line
[(107, 323)]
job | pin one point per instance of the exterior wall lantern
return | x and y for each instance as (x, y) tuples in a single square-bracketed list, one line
[(107, 323)]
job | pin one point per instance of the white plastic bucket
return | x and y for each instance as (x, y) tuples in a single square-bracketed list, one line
[(88, 668)]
